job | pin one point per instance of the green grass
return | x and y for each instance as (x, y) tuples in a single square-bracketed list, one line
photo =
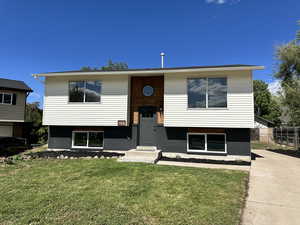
[(91, 191), (260, 145)]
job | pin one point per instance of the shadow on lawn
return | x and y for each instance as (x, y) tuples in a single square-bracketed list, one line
[(209, 161), (73, 154), (292, 153)]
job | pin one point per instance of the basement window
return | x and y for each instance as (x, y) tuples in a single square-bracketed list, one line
[(210, 143), (85, 91), (87, 139)]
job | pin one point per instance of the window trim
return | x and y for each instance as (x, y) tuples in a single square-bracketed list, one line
[(88, 137), (206, 94), (11, 98), (205, 135), (84, 102)]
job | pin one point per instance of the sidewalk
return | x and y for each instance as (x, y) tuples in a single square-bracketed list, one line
[(274, 190)]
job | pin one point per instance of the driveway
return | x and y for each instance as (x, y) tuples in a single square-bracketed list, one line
[(274, 190)]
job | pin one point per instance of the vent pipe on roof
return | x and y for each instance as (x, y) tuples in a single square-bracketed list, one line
[(162, 59)]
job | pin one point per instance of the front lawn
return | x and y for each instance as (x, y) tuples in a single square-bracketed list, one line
[(105, 192)]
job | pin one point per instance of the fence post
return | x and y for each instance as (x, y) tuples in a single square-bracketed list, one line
[(296, 140), (280, 135)]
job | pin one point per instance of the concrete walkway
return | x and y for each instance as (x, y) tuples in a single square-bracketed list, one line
[(274, 190)]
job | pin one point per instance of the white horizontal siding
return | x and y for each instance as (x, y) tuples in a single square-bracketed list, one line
[(238, 114), (113, 106)]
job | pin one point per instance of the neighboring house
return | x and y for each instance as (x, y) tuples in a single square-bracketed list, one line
[(262, 123), (13, 94), (194, 110)]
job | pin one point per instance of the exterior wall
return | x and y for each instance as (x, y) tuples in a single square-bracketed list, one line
[(238, 114), (13, 113), (115, 138), (113, 106), (174, 139), (6, 129), (169, 139)]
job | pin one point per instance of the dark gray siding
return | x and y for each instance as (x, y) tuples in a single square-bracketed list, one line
[(171, 139), (174, 139), (238, 141), (60, 137), (115, 138), (120, 138), (168, 139)]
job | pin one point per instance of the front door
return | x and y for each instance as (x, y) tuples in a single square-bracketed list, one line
[(147, 126)]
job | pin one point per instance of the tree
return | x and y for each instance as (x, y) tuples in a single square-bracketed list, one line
[(34, 114), (87, 68), (111, 66), (288, 56), (265, 105)]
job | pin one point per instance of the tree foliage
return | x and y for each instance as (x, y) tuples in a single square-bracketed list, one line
[(265, 105), (34, 114), (288, 56), (111, 66)]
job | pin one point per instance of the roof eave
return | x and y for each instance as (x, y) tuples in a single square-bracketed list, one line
[(135, 72)]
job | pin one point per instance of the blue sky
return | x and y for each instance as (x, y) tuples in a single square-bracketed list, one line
[(42, 36)]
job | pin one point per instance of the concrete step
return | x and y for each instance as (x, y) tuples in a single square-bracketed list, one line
[(141, 156), (146, 148)]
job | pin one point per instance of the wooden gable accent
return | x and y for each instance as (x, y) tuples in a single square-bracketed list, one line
[(138, 99)]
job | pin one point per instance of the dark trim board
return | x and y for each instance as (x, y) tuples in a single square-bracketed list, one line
[(168, 139)]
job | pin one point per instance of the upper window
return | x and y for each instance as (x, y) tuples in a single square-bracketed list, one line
[(6, 98), (84, 91), (207, 92)]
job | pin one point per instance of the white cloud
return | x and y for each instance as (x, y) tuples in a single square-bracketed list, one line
[(221, 2), (274, 87)]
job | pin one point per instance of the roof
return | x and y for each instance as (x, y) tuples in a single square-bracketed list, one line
[(264, 121), (155, 70), (14, 85)]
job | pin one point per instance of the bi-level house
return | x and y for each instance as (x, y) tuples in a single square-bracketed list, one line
[(188, 110), (13, 94)]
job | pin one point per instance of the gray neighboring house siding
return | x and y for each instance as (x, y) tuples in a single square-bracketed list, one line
[(168, 139), (12, 112), (12, 116)]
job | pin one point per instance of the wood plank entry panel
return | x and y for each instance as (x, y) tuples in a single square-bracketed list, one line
[(138, 99)]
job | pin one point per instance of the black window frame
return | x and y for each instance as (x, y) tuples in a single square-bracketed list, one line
[(11, 98), (88, 137), (84, 92), (206, 92), (206, 143)]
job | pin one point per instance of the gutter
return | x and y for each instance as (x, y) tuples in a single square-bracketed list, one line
[(146, 72)]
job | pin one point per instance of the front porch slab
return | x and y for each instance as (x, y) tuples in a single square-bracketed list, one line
[(145, 156)]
